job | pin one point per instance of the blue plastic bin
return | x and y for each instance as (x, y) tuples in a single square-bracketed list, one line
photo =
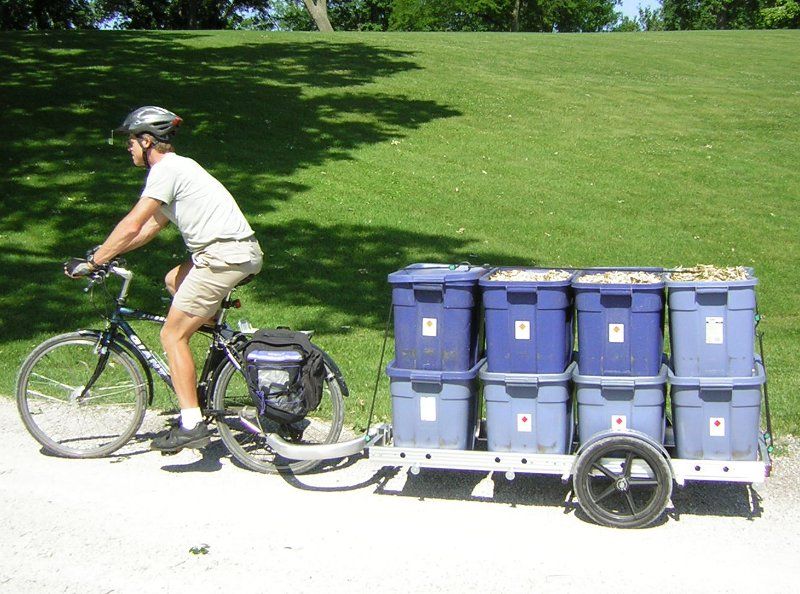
[(712, 327), (621, 404), (436, 316), (528, 324), (434, 408), (717, 418), (528, 412), (620, 326)]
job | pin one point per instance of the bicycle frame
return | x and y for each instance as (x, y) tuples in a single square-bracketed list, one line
[(219, 349), (118, 322)]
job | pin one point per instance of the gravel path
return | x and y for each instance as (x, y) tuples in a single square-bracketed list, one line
[(128, 523)]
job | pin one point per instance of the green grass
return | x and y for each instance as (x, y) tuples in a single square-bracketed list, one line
[(354, 155)]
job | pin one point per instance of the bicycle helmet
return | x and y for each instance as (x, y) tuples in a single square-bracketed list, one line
[(161, 123)]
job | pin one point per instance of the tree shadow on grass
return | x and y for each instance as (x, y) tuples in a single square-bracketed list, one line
[(254, 110)]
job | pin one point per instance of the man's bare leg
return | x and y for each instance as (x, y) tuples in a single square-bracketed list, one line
[(175, 335)]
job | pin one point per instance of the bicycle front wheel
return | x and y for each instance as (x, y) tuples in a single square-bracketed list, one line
[(59, 416), (238, 423)]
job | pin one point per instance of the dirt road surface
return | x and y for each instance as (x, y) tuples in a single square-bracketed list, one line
[(142, 522)]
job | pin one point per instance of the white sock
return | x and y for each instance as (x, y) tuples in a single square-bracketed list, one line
[(190, 417)]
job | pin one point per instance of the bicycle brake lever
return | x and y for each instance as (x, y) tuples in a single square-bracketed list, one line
[(94, 278)]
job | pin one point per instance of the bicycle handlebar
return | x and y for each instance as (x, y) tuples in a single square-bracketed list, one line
[(115, 267)]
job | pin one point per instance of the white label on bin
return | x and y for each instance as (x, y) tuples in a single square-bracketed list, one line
[(714, 330), (616, 333), (428, 326), (619, 422), (522, 330), (524, 423), (716, 426), (427, 409)]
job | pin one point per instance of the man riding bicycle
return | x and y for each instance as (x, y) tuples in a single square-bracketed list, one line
[(223, 251)]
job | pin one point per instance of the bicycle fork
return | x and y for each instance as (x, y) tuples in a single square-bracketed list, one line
[(102, 350)]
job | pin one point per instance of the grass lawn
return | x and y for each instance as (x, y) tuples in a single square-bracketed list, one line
[(356, 154)]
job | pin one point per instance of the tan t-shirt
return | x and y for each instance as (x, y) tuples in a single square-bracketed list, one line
[(194, 200)]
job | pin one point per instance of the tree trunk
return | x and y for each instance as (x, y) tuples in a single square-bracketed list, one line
[(515, 17), (318, 9), (41, 16)]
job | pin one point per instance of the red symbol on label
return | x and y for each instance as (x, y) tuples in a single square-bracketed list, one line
[(524, 419), (619, 421), (717, 423)]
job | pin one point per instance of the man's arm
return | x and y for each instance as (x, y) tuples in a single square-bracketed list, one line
[(150, 229), (139, 226)]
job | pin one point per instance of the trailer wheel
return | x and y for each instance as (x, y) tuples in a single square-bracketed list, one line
[(623, 482)]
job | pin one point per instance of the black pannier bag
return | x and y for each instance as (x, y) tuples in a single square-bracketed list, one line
[(285, 373)]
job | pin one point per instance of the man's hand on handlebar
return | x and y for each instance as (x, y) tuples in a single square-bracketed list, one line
[(78, 267), (83, 267)]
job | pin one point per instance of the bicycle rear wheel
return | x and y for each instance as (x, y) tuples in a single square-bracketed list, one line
[(49, 388), (238, 425)]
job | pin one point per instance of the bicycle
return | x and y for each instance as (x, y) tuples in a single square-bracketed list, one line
[(84, 394)]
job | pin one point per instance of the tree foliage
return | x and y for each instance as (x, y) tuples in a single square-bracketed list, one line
[(711, 14), (48, 14), (450, 15), (785, 14), (582, 15), (400, 15), (131, 14), (503, 15), (651, 19), (181, 14), (627, 25), (360, 15), (730, 14), (344, 15)]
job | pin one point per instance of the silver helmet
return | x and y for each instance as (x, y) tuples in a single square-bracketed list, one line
[(159, 122)]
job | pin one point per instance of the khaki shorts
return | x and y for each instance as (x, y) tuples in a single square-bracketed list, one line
[(217, 268)]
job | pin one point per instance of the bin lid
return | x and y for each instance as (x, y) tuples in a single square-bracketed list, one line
[(527, 378), (629, 381), (759, 377), (437, 273), (431, 376)]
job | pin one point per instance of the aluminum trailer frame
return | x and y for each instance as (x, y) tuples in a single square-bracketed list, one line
[(622, 479), (381, 452)]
